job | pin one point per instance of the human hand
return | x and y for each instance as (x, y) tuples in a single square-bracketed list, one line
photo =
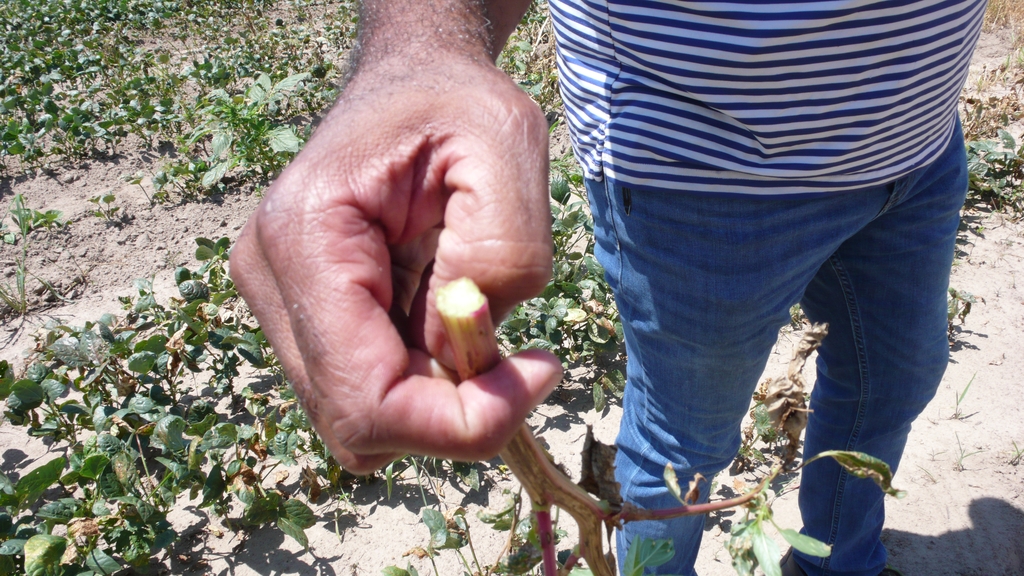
[(445, 166)]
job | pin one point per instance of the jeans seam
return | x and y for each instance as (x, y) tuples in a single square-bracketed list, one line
[(610, 198), (858, 339)]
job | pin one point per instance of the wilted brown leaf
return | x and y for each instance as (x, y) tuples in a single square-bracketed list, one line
[(598, 475), (83, 528), (693, 494), (784, 397)]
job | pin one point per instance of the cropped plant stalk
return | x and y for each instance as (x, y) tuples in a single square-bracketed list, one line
[(466, 316)]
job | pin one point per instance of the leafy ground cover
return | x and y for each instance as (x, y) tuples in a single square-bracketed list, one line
[(149, 426)]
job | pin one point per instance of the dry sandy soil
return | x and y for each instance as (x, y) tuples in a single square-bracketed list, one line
[(962, 516)]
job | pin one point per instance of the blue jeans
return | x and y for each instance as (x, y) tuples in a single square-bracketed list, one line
[(703, 285)]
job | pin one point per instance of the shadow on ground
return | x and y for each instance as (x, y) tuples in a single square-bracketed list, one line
[(992, 546)]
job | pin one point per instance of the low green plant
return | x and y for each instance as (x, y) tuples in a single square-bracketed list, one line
[(959, 303), (962, 454), (528, 57), (15, 297), (959, 396), (1016, 454), (997, 173), (105, 207), (575, 316), (245, 131), (128, 401), (796, 316), (78, 77)]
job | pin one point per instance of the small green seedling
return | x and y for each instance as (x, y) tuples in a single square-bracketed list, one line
[(960, 303), (962, 454), (15, 297), (105, 208), (957, 411)]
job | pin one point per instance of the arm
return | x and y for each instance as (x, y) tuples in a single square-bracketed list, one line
[(431, 166)]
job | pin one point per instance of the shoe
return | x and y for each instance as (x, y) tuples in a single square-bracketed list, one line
[(791, 568)]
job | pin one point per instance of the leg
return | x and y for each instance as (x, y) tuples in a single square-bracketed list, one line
[(703, 284), (883, 293)]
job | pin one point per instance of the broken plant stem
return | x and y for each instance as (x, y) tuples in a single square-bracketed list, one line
[(467, 319)]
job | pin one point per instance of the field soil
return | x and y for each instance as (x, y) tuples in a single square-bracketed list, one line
[(963, 515)]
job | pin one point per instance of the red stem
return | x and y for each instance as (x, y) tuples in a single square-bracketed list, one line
[(546, 534), (631, 513), (570, 563)]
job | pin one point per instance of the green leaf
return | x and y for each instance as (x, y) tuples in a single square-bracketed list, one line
[(298, 513), (12, 547), (101, 418), (142, 362), (217, 172), (33, 484), (468, 473), (436, 524), (109, 486), (72, 408), (806, 544), (643, 553), (221, 436), (60, 511), (394, 571), (559, 190), (155, 344), (766, 550), (293, 530), (863, 465), (6, 486), (263, 509), (204, 253), (101, 563), (167, 433), (600, 401), (52, 389), (25, 395), (252, 353), (141, 405), (500, 520), (99, 509), (200, 428), (289, 83), (283, 446), (181, 274), (93, 466), (144, 509), (43, 553), (109, 444), (283, 139), (214, 487), (672, 482), (260, 88), (221, 144), (598, 333)]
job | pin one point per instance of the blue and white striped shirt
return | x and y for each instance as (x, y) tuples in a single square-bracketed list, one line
[(760, 97)]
